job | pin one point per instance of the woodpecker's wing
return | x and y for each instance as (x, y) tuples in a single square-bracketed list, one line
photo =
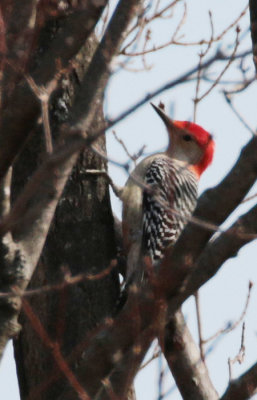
[(167, 205)]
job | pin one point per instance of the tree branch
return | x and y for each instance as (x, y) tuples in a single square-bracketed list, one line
[(183, 78), (227, 245), (253, 19), (244, 387), (184, 359), (20, 116), (99, 70)]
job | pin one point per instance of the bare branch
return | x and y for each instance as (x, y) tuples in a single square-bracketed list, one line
[(223, 71), (183, 78), (20, 116), (244, 387), (253, 17), (44, 95), (95, 80), (240, 355), (68, 280), (199, 325), (184, 360), (234, 325), (177, 42), (5, 194), (238, 115), (217, 252)]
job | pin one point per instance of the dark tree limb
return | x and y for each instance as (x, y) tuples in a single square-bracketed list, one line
[(227, 245), (244, 387), (184, 360), (20, 116), (253, 19), (21, 256), (214, 206), (99, 70)]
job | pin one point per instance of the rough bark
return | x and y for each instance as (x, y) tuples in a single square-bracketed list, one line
[(83, 224)]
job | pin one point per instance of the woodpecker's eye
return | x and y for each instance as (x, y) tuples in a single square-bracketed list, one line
[(187, 138)]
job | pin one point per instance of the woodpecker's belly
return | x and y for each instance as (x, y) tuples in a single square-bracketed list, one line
[(167, 205)]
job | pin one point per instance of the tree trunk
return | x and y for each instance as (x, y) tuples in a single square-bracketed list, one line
[(81, 241)]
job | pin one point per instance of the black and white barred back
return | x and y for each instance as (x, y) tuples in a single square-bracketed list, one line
[(167, 205)]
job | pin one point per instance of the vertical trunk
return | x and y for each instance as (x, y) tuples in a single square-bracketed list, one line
[(81, 240)]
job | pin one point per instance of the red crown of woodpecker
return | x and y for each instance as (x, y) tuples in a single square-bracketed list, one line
[(204, 140), (201, 136)]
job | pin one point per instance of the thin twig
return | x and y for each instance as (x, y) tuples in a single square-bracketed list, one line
[(46, 125), (123, 146), (145, 51), (199, 325), (43, 95), (232, 58), (67, 281), (236, 323), (160, 380), (180, 24), (154, 356), (197, 88), (183, 78), (238, 115), (201, 56), (249, 198), (241, 354), (179, 43)]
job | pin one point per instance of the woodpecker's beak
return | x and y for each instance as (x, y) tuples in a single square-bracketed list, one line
[(167, 120), (173, 129)]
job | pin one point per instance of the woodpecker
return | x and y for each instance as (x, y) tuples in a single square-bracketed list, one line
[(161, 193)]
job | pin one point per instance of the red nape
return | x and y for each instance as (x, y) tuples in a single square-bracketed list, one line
[(206, 160), (204, 139)]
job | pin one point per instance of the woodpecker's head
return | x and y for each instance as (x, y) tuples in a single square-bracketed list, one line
[(189, 143)]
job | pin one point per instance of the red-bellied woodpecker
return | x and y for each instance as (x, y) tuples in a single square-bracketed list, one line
[(161, 193)]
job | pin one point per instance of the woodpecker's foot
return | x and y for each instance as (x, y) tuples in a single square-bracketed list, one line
[(116, 189)]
